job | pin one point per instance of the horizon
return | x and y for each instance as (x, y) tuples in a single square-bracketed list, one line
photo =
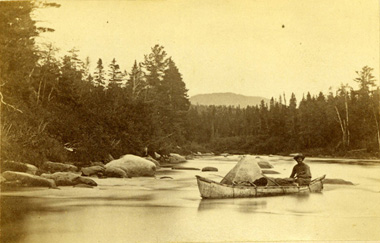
[(252, 48)]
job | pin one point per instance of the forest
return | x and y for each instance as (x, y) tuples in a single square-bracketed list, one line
[(54, 108)]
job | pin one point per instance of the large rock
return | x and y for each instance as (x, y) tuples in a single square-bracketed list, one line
[(176, 158), (154, 161), (133, 166), (53, 167), (19, 167), (69, 179), (115, 172), (28, 179), (93, 170)]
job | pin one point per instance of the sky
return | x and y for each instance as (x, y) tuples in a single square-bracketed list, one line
[(251, 47)]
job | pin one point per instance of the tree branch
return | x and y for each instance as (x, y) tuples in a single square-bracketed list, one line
[(3, 102)]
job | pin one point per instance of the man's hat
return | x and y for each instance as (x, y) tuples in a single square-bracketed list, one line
[(298, 156)]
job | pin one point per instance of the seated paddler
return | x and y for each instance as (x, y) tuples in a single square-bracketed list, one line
[(301, 171)]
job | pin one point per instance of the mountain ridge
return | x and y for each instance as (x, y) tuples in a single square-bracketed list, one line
[(226, 99)]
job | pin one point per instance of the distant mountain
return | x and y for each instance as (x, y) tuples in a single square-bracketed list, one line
[(226, 99)]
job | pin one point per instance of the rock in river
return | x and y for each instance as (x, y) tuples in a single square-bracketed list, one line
[(115, 172), (269, 172), (176, 158), (178, 167), (133, 165), (69, 179), (19, 167), (53, 167), (337, 181), (209, 168), (92, 170), (26, 179)]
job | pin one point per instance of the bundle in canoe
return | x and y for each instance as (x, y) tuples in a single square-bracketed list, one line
[(240, 183)]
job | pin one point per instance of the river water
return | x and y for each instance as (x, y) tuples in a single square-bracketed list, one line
[(171, 210)]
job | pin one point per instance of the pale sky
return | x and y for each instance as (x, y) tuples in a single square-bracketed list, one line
[(256, 48)]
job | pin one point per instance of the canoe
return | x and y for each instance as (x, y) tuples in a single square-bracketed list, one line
[(210, 189)]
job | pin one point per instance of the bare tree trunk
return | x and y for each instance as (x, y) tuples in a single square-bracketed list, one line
[(377, 127), (347, 130), (343, 128)]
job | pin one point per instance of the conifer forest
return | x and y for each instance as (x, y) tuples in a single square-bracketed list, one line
[(57, 109)]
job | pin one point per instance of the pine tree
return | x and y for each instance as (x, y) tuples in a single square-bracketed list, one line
[(115, 75), (136, 83), (99, 74), (174, 88)]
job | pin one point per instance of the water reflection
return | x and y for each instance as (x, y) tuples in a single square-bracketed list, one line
[(245, 205)]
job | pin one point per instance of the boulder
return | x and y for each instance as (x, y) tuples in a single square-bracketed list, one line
[(53, 167), (133, 165), (209, 168), (97, 164), (153, 160), (189, 157), (28, 179), (176, 158), (115, 172), (69, 179), (92, 170), (19, 167)]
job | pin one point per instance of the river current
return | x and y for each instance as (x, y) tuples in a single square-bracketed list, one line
[(171, 209)]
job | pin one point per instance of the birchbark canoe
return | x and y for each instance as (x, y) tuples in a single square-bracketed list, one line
[(210, 189)]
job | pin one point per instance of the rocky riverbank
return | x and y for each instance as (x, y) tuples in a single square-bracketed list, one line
[(54, 174)]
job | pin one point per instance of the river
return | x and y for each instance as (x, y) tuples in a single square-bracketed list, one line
[(171, 209)]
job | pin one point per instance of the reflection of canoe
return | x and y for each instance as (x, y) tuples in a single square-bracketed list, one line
[(212, 189)]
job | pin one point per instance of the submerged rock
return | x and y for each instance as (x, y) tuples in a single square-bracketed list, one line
[(26, 179), (93, 170), (176, 158), (53, 167), (184, 168), (337, 181), (209, 168), (83, 186), (270, 172), (133, 166), (69, 179), (265, 165)]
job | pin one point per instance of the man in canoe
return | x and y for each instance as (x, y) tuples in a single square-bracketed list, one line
[(301, 171)]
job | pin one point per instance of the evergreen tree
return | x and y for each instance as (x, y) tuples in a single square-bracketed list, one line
[(115, 74), (99, 74), (174, 88), (136, 83)]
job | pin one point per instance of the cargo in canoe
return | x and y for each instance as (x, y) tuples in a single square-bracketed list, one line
[(211, 189)]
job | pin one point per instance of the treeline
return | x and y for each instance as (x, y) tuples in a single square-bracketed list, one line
[(342, 123), (55, 109)]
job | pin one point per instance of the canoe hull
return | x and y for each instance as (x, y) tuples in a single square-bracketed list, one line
[(210, 189)]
